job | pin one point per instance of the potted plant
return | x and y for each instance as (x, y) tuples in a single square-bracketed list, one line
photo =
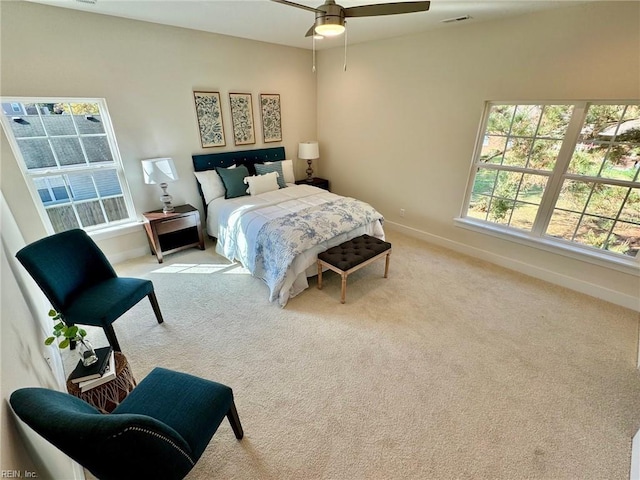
[(71, 334)]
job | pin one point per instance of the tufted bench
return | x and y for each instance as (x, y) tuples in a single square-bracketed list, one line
[(351, 255)]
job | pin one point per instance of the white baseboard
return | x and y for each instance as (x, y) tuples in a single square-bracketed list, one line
[(577, 284), (123, 256)]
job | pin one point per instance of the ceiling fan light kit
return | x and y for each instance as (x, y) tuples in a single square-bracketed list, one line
[(330, 17)]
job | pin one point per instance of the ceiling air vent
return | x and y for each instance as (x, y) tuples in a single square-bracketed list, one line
[(92, 2), (448, 20)]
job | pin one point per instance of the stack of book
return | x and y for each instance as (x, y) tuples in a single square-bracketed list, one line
[(98, 373)]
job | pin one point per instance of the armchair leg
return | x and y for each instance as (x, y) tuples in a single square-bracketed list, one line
[(234, 420), (111, 338), (155, 306)]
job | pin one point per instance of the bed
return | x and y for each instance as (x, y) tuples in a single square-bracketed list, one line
[(273, 227)]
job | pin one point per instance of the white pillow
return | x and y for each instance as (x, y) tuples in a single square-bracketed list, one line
[(211, 184), (287, 170), (262, 183)]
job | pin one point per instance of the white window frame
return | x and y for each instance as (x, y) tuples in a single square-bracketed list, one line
[(29, 176), (537, 237)]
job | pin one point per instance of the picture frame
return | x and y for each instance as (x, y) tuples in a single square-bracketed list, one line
[(209, 115), (271, 117), (242, 118)]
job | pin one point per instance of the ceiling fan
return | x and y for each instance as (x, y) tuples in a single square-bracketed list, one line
[(330, 17)]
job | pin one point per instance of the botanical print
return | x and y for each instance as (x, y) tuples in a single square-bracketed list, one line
[(271, 128), (242, 117), (209, 116)]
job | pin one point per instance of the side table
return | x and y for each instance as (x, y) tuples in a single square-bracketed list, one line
[(315, 182), (108, 396), (170, 232)]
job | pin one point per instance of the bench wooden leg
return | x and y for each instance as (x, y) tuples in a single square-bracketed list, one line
[(319, 275), (386, 266), (344, 288)]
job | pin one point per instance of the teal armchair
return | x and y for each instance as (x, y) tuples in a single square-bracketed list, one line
[(159, 430), (81, 284)]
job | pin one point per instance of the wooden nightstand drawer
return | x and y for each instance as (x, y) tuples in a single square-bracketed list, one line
[(175, 224)]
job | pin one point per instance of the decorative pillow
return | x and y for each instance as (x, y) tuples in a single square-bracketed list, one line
[(211, 185), (232, 178), (262, 183), (287, 169), (263, 168)]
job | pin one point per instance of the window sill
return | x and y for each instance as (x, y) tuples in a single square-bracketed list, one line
[(116, 231), (627, 265)]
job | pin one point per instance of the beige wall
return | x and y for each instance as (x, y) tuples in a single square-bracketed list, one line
[(398, 128), (147, 74)]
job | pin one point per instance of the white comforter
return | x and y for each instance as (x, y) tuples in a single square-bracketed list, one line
[(240, 220)]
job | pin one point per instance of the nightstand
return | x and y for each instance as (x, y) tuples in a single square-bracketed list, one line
[(316, 182), (171, 232)]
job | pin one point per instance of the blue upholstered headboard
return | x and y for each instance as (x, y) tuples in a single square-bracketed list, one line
[(210, 161)]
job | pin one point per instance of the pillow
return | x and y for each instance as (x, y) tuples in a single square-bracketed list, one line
[(262, 168), (211, 185), (232, 178), (287, 169), (262, 183)]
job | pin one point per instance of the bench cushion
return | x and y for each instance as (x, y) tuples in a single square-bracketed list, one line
[(353, 252)]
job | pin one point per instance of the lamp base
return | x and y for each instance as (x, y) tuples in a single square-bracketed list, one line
[(309, 172), (166, 199)]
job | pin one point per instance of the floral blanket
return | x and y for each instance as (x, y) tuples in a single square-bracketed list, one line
[(280, 240)]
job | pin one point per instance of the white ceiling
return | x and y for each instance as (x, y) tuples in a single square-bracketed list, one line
[(271, 22)]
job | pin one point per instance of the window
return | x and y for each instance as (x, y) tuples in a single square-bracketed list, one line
[(68, 155), (564, 174)]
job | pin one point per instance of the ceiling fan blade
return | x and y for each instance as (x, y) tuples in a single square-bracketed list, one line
[(385, 9), (297, 5), (311, 31)]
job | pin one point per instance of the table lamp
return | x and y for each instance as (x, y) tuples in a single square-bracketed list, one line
[(162, 171), (308, 151)]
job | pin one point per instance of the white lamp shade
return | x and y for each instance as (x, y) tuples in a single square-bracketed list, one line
[(159, 170), (308, 150)]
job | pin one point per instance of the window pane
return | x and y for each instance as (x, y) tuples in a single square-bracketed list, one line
[(37, 153), (517, 153), (27, 126), (82, 187), (625, 238), (544, 154), (574, 195), (499, 121), (593, 231), (555, 121), (523, 216), (587, 159), (525, 120), (606, 200), (115, 208), (631, 210), (563, 224), (58, 124), (68, 151), (107, 183), (97, 149), (92, 124), (90, 213), (532, 188), (62, 218), (493, 149)]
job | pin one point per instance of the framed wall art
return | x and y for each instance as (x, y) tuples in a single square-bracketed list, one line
[(209, 116), (271, 125), (242, 118)]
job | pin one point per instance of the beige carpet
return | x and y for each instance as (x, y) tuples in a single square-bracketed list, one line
[(450, 368)]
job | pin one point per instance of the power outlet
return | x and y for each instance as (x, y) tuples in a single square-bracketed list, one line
[(402, 212)]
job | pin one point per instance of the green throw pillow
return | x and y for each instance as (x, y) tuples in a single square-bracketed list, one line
[(233, 181)]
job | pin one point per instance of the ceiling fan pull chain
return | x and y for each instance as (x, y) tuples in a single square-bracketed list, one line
[(313, 68), (345, 47)]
